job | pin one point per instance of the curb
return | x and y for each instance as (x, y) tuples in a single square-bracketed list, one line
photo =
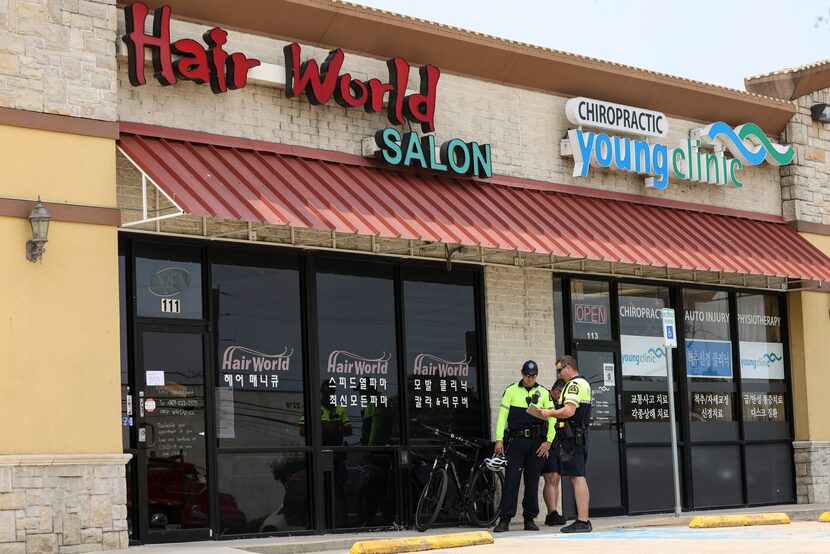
[(824, 517), (416, 544), (739, 520)]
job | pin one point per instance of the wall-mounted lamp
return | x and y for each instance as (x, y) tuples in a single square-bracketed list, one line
[(820, 113), (39, 218)]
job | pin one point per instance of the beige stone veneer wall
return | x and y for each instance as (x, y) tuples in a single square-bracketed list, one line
[(519, 328), (58, 57), (812, 472), (62, 503)]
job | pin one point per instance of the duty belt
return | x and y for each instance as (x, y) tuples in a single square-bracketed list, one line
[(530, 432)]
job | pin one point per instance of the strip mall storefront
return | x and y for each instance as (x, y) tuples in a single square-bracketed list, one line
[(321, 252)]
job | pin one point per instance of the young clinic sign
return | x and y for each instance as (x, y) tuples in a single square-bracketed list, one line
[(701, 158)]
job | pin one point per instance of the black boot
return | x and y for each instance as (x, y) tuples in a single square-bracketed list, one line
[(555, 518), (530, 525), (504, 525)]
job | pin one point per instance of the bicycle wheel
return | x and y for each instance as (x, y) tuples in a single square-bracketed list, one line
[(431, 500), (484, 497)]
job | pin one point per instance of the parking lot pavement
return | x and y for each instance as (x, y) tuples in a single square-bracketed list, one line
[(795, 537)]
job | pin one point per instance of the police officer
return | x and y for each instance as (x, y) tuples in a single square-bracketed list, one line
[(571, 432), (530, 440), (550, 470)]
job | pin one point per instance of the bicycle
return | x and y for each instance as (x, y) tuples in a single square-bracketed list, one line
[(478, 497)]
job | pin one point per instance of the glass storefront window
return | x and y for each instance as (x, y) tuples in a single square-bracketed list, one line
[(709, 364), (441, 358), (168, 287), (358, 359), (364, 491), (645, 397), (759, 333), (641, 332), (264, 493), (590, 310), (259, 395), (764, 389)]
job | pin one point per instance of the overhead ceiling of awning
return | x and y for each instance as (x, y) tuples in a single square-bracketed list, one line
[(242, 180)]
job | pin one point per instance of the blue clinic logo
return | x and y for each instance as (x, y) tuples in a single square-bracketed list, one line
[(766, 360), (649, 357)]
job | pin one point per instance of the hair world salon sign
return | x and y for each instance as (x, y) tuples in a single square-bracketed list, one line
[(208, 62)]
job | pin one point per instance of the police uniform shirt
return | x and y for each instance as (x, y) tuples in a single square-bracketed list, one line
[(578, 392), (513, 410)]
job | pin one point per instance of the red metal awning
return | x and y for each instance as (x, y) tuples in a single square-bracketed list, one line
[(238, 179)]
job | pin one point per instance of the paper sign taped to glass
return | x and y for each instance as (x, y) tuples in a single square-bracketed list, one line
[(535, 411)]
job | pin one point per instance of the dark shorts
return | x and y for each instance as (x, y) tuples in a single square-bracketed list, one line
[(572, 459), (552, 461)]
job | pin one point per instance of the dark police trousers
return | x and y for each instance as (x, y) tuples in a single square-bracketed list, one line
[(521, 454)]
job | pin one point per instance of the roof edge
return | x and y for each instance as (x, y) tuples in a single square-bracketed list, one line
[(791, 83), (382, 34)]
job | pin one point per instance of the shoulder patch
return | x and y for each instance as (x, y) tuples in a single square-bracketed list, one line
[(573, 388)]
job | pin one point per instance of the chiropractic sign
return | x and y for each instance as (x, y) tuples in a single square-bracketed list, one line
[(208, 62), (701, 158), (616, 117)]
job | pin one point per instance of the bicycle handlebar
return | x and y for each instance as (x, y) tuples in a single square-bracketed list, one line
[(457, 438)]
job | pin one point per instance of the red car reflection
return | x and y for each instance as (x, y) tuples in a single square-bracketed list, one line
[(178, 498)]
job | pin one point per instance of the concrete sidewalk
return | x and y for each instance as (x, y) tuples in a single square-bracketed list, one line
[(320, 543)]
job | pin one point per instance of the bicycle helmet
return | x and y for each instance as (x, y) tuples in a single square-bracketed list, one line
[(496, 463)]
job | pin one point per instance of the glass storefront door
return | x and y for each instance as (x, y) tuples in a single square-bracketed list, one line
[(599, 366), (645, 398), (731, 393), (174, 503)]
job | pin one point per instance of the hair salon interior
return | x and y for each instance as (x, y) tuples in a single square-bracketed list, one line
[(254, 250)]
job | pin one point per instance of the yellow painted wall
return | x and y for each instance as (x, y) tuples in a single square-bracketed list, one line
[(59, 326), (809, 319), (810, 358), (60, 167)]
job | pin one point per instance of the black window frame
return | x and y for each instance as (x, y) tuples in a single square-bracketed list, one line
[(308, 261), (684, 445)]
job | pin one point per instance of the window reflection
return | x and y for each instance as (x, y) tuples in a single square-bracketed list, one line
[(365, 491), (270, 491), (358, 359), (759, 333), (644, 363), (259, 356), (709, 364), (590, 310), (706, 327), (168, 288), (641, 332), (764, 396), (441, 358)]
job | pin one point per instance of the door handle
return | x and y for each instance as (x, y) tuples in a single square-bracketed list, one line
[(142, 435)]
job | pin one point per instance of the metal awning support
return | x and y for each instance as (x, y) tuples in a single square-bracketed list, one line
[(145, 211)]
